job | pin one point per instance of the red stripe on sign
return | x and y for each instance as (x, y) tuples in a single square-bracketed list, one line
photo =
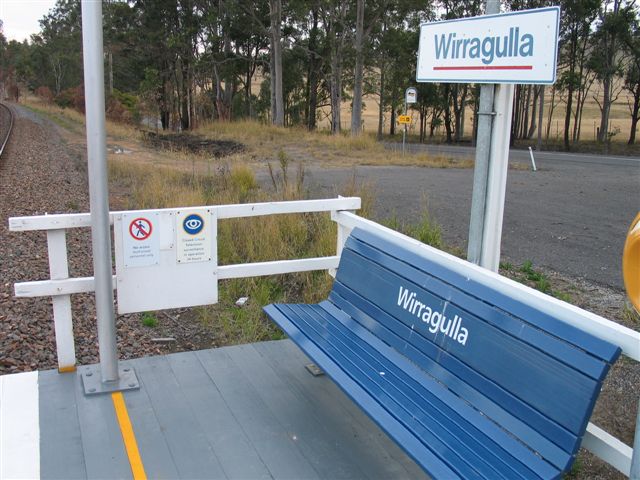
[(488, 67)]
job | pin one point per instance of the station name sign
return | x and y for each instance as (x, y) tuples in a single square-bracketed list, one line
[(516, 47)]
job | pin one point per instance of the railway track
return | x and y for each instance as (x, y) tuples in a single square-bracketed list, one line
[(6, 125)]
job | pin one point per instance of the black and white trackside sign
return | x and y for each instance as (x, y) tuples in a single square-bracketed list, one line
[(517, 47)]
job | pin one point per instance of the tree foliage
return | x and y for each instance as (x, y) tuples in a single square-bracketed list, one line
[(299, 62)]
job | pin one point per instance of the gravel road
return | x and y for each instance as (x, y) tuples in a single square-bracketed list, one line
[(570, 217)]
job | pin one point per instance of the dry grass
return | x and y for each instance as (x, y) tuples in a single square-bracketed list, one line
[(75, 121), (264, 142), (274, 237)]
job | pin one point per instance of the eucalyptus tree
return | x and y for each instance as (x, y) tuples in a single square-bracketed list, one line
[(612, 32), (59, 46), (334, 15), (632, 77)]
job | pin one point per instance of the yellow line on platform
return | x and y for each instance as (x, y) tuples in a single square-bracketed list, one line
[(129, 438)]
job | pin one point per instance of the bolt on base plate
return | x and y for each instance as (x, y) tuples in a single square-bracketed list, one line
[(93, 384), (314, 370)]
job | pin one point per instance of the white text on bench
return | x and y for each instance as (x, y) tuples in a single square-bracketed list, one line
[(436, 320)]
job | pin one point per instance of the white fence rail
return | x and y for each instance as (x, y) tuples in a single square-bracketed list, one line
[(60, 287)]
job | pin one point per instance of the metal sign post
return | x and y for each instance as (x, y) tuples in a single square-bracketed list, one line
[(516, 47), (410, 96), (110, 377), (496, 178)]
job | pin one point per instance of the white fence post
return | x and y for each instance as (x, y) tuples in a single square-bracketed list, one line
[(63, 323), (343, 234)]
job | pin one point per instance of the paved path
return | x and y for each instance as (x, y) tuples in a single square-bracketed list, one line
[(570, 216)]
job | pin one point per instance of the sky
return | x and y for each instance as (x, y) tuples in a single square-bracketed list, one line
[(20, 17)]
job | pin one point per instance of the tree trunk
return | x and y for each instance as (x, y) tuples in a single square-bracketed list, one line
[(534, 110), (525, 114), (570, 90), (381, 107), (540, 116), (272, 85), (463, 107), (634, 115), (606, 108), (392, 122), (447, 114), (336, 93), (549, 117), (275, 14), (312, 77), (515, 115), (110, 57), (567, 118), (356, 109), (184, 96)]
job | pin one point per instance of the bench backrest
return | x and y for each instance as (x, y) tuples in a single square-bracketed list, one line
[(535, 376)]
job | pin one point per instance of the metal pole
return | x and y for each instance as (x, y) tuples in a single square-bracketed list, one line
[(98, 188), (481, 168), (497, 178)]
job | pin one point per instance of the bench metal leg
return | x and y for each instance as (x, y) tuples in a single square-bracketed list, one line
[(314, 370)]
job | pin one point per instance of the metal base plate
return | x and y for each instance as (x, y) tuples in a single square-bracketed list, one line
[(93, 384), (314, 369)]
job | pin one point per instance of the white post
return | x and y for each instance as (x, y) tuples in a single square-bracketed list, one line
[(98, 188), (62, 320), (635, 459), (533, 161), (497, 177), (343, 234)]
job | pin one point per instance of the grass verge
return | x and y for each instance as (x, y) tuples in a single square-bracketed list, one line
[(256, 239)]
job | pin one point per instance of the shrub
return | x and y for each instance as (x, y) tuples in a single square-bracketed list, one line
[(117, 112), (45, 94), (72, 98), (123, 107)]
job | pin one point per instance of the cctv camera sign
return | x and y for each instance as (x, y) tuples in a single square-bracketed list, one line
[(517, 47)]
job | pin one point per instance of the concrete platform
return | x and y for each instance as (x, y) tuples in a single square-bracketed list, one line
[(248, 411)]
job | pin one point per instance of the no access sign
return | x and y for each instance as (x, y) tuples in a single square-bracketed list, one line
[(516, 47), (141, 240)]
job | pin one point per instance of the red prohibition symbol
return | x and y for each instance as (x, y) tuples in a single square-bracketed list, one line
[(140, 228)]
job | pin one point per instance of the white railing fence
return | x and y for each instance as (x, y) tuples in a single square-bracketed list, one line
[(60, 287)]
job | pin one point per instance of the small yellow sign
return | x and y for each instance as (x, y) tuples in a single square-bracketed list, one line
[(404, 119)]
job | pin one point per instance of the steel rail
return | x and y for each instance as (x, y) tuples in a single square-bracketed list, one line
[(6, 138)]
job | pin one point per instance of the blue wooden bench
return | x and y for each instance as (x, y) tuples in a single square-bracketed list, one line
[(470, 382)]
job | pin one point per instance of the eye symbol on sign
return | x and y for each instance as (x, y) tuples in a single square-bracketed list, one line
[(193, 224)]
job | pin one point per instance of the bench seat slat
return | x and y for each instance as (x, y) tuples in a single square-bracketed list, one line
[(448, 370), (559, 349), (489, 351), (501, 446), (440, 426), (370, 405), (433, 428), (596, 346)]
